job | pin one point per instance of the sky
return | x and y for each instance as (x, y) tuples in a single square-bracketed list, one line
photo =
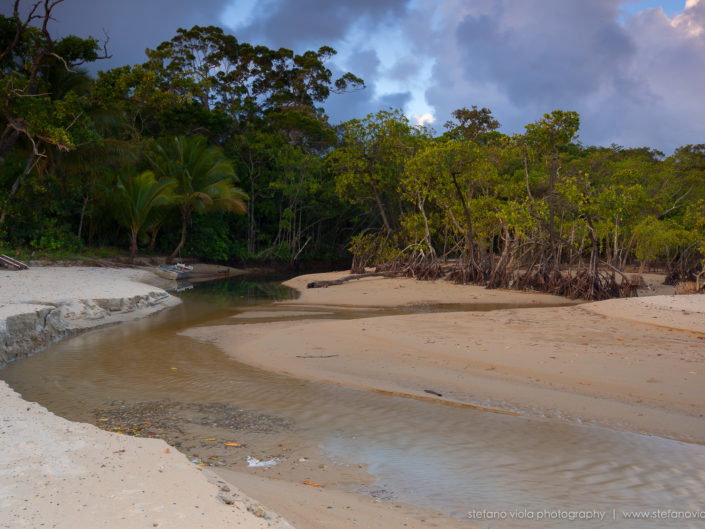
[(633, 69)]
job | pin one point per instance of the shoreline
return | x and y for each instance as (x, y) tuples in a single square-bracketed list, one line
[(64, 467), (75, 475), (626, 364), (37, 308), (403, 355)]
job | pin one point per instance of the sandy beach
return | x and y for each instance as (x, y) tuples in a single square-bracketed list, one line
[(630, 364), (58, 473), (627, 364)]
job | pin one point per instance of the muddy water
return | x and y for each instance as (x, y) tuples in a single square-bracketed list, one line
[(445, 458)]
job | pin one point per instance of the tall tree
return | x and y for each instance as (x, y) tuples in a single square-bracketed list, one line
[(550, 136), (203, 178), (37, 112), (135, 197), (470, 124), (370, 161)]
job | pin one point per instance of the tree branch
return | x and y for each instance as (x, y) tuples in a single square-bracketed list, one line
[(20, 27)]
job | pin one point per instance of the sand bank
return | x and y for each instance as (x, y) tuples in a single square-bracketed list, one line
[(56, 473), (636, 364), (40, 305), (393, 292)]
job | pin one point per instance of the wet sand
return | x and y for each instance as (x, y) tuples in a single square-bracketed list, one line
[(635, 365), (325, 507)]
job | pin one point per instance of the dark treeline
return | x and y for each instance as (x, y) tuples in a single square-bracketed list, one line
[(212, 147), (221, 149)]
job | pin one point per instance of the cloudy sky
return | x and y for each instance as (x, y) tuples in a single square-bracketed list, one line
[(634, 70)]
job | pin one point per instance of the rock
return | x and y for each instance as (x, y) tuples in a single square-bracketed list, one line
[(28, 327), (258, 511)]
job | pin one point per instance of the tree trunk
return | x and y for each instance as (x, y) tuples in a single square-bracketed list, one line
[(153, 238), (83, 214), (380, 206), (251, 214), (133, 246), (552, 210), (427, 232), (469, 239), (184, 223), (31, 162)]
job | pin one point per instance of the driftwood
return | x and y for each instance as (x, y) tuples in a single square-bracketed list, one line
[(325, 284), (11, 263)]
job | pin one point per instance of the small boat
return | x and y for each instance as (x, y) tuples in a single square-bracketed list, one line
[(177, 271)]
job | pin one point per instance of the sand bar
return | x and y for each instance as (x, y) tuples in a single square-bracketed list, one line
[(636, 364), (394, 292)]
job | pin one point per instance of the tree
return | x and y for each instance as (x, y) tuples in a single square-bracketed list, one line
[(202, 175), (548, 137), (216, 71), (36, 113), (371, 159), (470, 124), (134, 200)]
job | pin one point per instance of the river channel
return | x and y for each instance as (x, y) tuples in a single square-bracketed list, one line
[(510, 470)]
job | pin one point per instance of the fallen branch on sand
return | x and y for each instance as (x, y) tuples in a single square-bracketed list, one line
[(324, 284)]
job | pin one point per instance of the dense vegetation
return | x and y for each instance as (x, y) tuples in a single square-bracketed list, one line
[(221, 149), (167, 155), (532, 210)]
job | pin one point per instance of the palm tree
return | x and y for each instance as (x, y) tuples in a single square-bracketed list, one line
[(204, 178), (136, 197)]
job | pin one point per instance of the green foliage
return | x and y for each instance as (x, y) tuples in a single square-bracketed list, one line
[(56, 240), (135, 198), (471, 124), (202, 178), (657, 239), (159, 148), (211, 237), (372, 248), (370, 161)]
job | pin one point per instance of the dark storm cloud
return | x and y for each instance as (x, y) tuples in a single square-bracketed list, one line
[(637, 83), (365, 64), (132, 25), (308, 24), (636, 79), (301, 22), (557, 52)]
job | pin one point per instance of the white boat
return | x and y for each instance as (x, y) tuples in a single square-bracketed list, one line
[(177, 271)]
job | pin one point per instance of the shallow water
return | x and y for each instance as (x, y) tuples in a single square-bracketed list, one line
[(449, 459)]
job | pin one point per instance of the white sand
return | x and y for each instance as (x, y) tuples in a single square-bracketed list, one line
[(53, 284)]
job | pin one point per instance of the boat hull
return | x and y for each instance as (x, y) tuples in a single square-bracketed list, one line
[(173, 272)]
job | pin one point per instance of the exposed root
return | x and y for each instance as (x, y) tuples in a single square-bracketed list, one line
[(584, 284)]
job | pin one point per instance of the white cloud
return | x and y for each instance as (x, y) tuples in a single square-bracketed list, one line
[(692, 20), (424, 119)]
